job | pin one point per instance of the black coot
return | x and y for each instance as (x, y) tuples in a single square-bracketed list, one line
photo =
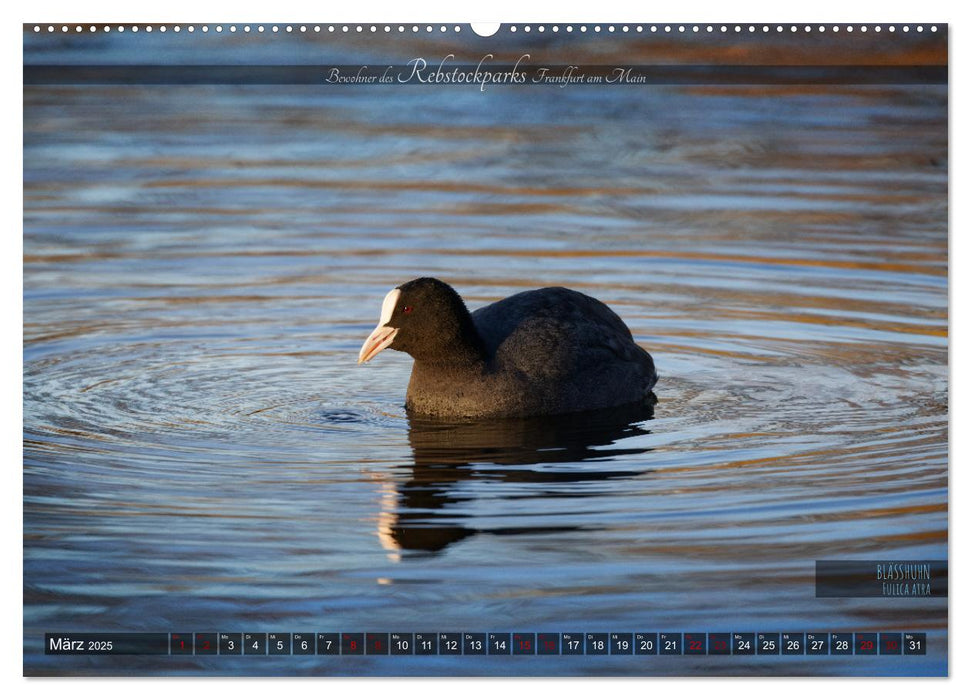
[(543, 352)]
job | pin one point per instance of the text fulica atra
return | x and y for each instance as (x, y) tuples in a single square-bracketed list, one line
[(543, 352)]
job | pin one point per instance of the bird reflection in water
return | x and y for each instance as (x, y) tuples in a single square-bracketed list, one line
[(419, 515)]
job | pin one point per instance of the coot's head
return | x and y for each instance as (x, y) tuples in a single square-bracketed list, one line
[(426, 319)]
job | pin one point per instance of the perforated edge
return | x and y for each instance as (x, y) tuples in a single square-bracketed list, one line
[(217, 29)]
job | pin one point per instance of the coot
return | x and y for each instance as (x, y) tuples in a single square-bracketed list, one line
[(543, 352)]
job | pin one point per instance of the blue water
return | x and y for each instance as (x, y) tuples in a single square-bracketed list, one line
[(202, 452)]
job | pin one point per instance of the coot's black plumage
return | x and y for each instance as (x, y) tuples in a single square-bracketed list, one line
[(543, 352)]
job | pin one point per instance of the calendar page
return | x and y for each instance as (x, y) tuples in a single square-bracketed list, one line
[(538, 350)]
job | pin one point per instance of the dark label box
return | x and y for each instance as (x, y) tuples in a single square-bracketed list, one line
[(695, 643), (669, 643), (328, 643), (402, 644), (377, 643), (719, 643), (645, 642), (303, 643), (793, 643), (474, 643), (548, 643), (524, 643), (890, 578), (206, 643), (621, 643), (278, 643), (841, 643), (426, 643), (767, 643), (352, 643), (500, 643), (450, 643), (817, 642), (254, 643), (572, 643)]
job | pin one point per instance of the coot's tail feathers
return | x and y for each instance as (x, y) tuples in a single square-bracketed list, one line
[(651, 374)]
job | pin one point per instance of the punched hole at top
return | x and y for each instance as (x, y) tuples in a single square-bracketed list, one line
[(485, 28)]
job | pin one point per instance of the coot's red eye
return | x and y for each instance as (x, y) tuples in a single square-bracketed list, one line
[(407, 309)]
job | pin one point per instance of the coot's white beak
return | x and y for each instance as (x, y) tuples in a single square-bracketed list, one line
[(382, 336)]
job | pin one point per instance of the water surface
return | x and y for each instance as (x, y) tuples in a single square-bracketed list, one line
[(202, 453)]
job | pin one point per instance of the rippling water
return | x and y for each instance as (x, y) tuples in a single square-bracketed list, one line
[(202, 452)]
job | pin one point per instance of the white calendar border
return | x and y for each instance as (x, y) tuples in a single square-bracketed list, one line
[(452, 12)]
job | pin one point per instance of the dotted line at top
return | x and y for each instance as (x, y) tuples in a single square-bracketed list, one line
[(414, 28)]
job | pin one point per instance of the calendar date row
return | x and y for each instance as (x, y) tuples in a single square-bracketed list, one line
[(489, 643)]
